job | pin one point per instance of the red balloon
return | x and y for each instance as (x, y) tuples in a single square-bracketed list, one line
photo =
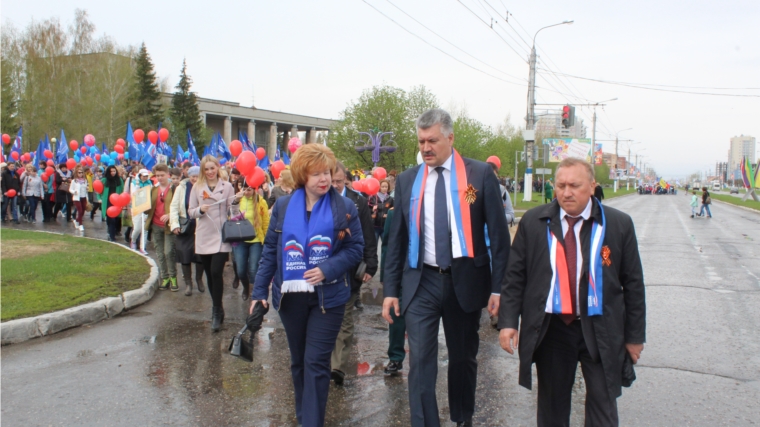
[(97, 157), (88, 160), (120, 142), (114, 199), (50, 163), (6, 139), (83, 162), (495, 160), (14, 155), (97, 186), (113, 211), (10, 193), (71, 163), (256, 178), (124, 199), (163, 134), (26, 157), (371, 186), (277, 167), (261, 153), (246, 163), (152, 137), (358, 186), (235, 147), (73, 145), (119, 149), (45, 177), (89, 140), (49, 170), (120, 157), (379, 173), (83, 150), (139, 135), (48, 154)]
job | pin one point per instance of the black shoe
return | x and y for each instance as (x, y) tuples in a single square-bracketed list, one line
[(216, 319), (337, 376), (394, 368), (235, 283), (246, 292), (692, 215), (358, 304), (15, 221), (465, 423)]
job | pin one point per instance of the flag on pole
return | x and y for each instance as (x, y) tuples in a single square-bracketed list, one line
[(191, 149), (16, 147), (44, 145), (133, 148), (285, 158), (223, 152), (62, 150)]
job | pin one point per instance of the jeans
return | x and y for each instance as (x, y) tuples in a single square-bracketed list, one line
[(32, 202), (14, 207), (112, 227), (247, 257), (311, 337), (702, 211), (165, 256), (47, 207)]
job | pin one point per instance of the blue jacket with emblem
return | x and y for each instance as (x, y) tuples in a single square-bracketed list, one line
[(346, 255)]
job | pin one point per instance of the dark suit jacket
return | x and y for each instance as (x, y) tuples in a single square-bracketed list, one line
[(370, 241), (473, 278), (524, 294)]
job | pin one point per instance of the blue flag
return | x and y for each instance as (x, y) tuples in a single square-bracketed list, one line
[(44, 145), (247, 146), (277, 155), (191, 149), (133, 147), (62, 150), (223, 152), (16, 147), (285, 158)]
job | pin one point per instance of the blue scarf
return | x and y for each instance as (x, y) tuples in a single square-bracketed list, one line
[(307, 242)]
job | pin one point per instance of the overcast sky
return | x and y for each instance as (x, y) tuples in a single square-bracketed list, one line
[(315, 57)]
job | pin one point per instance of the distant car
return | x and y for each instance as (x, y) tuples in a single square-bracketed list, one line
[(734, 190)]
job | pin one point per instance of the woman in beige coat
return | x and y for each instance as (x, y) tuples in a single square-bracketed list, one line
[(210, 200)]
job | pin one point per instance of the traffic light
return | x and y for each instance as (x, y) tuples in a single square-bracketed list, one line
[(568, 116)]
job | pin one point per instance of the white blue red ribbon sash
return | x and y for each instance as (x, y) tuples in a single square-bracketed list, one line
[(559, 300), (461, 245)]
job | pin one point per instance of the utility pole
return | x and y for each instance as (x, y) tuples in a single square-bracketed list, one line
[(530, 118)]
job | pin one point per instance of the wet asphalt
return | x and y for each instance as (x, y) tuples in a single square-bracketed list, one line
[(160, 364)]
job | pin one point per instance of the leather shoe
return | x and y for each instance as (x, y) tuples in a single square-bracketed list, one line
[(465, 423), (337, 376)]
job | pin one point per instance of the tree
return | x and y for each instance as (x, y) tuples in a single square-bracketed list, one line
[(185, 114), (387, 109), (9, 105), (145, 97)]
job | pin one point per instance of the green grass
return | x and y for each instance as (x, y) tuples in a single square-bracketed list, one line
[(736, 201), (43, 272)]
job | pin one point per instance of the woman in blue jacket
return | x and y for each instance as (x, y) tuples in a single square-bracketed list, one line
[(313, 242)]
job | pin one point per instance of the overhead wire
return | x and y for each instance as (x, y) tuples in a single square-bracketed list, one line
[(492, 29)]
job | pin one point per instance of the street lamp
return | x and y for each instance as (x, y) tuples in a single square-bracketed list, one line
[(628, 166), (616, 157), (530, 118)]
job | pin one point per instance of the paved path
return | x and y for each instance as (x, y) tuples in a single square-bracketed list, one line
[(161, 365)]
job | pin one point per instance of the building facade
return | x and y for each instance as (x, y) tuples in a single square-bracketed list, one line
[(550, 125), (741, 146)]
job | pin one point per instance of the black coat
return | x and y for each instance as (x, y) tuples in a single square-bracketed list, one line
[(529, 274), (11, 182), (472, 277), (370, 242)]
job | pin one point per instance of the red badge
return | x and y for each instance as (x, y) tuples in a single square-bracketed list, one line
[(469, 195), (606, 261)]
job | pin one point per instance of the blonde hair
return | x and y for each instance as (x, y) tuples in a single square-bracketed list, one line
[(286, 179), (204, 160), (310, 158)]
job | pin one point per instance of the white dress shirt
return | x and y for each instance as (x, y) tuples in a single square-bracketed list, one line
[(429, 207), (586, 214)]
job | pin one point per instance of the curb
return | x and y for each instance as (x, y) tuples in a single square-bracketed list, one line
[(20, 330), (737, 206)]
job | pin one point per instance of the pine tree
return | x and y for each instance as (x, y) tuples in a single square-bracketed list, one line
[(9, 119), (185, 113), (145, 99)]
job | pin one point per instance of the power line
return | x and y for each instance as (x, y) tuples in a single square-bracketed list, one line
[(637, 86), (492, 29), (452, 44), (439, 49), (669, 86)]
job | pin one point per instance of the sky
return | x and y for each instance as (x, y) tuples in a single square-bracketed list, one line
[(316, 57)]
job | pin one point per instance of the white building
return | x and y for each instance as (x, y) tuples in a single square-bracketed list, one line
[(551, 125), (742, 145)]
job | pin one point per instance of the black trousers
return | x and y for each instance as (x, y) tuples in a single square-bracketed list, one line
[(556, 360), (435, 299), (213, 266)]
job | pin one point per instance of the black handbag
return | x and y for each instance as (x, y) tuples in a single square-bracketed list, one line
[(239, 347), (238, 231), (186, 226)]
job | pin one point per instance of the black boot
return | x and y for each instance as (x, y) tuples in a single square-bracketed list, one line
[(187, 277), (216, 318), (199, 278), (246, 290)]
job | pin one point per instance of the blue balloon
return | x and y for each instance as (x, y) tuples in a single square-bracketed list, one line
[(114, 155), (126, 155), (222, 161)]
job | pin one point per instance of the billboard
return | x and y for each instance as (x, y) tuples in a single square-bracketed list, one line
[(562, 148), (598, 155)]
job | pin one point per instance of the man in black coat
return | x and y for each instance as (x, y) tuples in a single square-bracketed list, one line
[(450, 277), (606, 332), (10, 181), (340, 354)]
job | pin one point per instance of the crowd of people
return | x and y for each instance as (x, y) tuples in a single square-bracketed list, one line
[(446, 253)]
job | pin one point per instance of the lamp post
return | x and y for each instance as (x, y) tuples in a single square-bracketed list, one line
[(530, 118), (593, 123), (616, 158), (628, 166), (374, 143)]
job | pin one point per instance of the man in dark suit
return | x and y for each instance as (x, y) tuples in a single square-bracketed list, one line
[(576, 295), (437, 255)]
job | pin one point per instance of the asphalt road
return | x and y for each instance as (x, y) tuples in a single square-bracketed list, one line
[(161, 365)]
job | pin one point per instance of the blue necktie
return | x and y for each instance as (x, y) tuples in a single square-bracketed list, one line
[(442, 235)]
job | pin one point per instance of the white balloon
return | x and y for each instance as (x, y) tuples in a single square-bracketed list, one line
[(419, 157)]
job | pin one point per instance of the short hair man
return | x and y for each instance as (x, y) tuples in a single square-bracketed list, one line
[(158, 218), (575, 288), (437, 257)]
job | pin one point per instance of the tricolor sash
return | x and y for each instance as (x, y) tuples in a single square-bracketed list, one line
[(559, 301), (459, 216), (306, 242)]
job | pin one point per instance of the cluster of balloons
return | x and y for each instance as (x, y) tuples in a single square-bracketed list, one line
[(368, 186), (153, 136), (118, 202)]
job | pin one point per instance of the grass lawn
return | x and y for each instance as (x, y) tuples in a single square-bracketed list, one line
[(43, 272), (736, 201)]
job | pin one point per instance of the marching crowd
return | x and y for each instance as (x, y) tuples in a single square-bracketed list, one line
[(570, 283)]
